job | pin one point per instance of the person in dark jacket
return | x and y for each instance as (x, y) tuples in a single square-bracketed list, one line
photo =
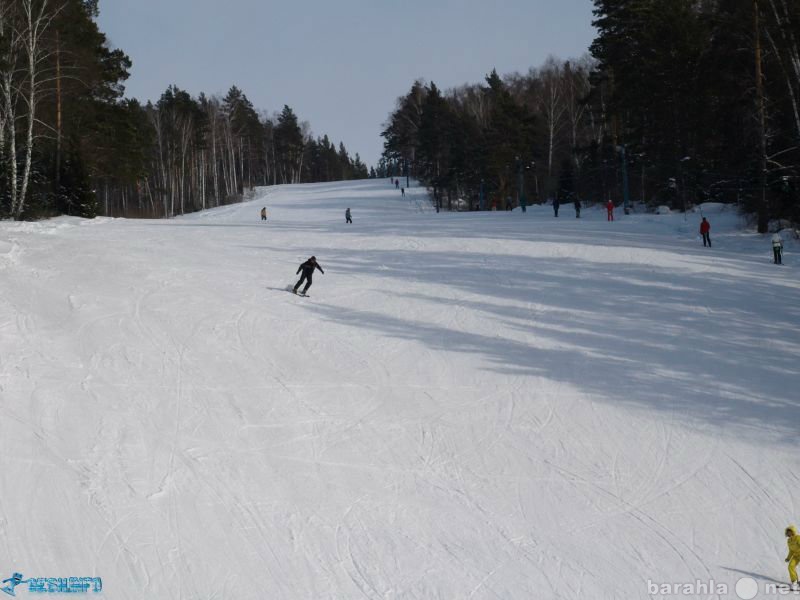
[(556, 204), (308, 272), (705, 228), (577, 204), (347, 217)]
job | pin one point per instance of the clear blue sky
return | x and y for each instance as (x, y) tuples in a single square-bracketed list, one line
[(340, 64)]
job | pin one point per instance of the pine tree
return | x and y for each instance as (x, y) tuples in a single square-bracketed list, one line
[(289, 146), (75, 196), (509, 137)]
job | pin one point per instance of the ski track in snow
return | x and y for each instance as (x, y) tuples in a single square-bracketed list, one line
[(489, 405)]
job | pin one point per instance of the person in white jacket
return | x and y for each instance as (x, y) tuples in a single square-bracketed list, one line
[(777, 247)]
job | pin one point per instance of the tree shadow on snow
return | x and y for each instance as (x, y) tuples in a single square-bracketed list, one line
[(705, 344)]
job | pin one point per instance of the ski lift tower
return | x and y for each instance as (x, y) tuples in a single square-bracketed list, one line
[(626, 195), (521, 174)]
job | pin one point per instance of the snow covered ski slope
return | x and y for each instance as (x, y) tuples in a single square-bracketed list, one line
[(489, 405)]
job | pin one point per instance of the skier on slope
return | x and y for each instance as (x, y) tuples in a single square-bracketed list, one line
[(777, 248), (705, 227), (556, 204), (264, 214), (347, 217), (793, 558), (610, 209), (577, 204), (308, 272)]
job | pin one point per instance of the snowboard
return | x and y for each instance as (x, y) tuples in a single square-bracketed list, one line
[(290, 289)]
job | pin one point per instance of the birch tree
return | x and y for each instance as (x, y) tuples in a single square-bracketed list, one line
[(36, 17), (12, 45), (553, 107), (786, 52)]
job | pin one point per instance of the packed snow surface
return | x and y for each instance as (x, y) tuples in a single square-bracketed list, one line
[(477, 405)]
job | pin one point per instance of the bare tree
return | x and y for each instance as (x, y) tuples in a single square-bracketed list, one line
[(12, 46), (37, 17), (786, 54), (552, 105), (576, 89)]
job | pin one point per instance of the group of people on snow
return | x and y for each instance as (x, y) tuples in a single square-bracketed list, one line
[(396, 184), (347, 216), (575, 202), (777, 241), (309, 266), (306, 272)]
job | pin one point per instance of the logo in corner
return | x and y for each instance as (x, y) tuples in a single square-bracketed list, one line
[(52, 585), (11, 583)]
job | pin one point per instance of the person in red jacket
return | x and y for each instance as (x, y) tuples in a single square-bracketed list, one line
[(610, 209), (705, 227)]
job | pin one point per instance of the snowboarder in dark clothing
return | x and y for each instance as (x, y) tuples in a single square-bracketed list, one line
[(308, 272), (556, 205), (402, 191), (705, 228), (347, 217), (577, 204), (396, 184)]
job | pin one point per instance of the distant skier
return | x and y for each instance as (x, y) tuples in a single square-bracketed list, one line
[(308, 273), (777, 248), (793, 558), (264, 214), (610, 209), (705, 227), (402, 191), (577, 204), (347, 217), (556, 205), (396, 183)]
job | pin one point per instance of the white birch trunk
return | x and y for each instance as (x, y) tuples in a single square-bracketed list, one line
[(37, 22)]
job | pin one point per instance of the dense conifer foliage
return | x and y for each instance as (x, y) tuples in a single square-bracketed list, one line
[(689, 100), (71, 143)]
